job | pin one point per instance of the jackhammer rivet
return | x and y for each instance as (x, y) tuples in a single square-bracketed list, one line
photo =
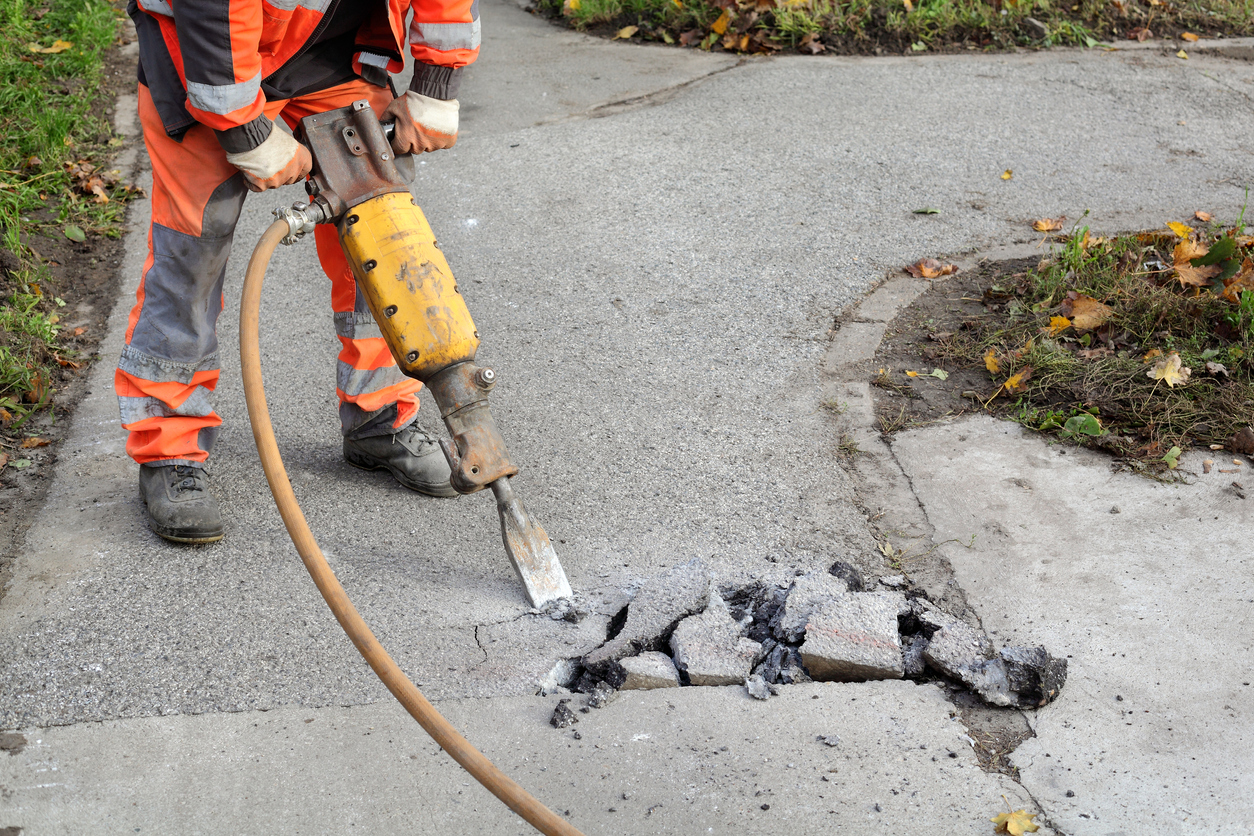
[(412, 356), (384, 156), (389, 311), (352, 219), (474, 471), (370, 265)]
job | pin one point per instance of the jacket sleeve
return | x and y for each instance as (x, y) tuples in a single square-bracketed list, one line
[(444, 38), (219, 42)]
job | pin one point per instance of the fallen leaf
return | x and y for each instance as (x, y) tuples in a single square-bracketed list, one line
[(991, 362), (1016, 823), (1094, 353), (6, 418), (34, 441), (1172, 457), (1242, 441), (1181, 230), (1216, 369), (1204, 217), (1085, 312), (626, 32), (1207, 465), (1151, 354), (1241, 282), (1190, 37), (1017, 382), (1139, 33), (569, 7), (912, 374), (927, 211), (75, 233), (1182, 55), (909, 6), (720, 26), (68, 364), (1169, 370), (930, 268), (1058, 324), (78, 332), (1007, 174), (939, 374), (4, 460), (1048, 224), (57, 46), (1085, 424), (20, 463), (690, 37)]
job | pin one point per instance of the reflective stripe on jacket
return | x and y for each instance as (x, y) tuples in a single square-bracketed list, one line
[(207, 61)]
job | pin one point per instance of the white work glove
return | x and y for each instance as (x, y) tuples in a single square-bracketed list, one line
[(422, 123), (278, 161)]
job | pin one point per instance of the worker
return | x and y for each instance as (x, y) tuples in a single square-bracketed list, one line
[(215, 76)]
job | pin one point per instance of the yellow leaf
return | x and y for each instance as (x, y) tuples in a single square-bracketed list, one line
[(991, 362), (1181, 230), (28, 443), (1018, 381), (569, 7), (1188, 36), (1151, 354), (909, 6), (720, 25), (57, 46), (912, 374), (1048, 224), (1169, 370), (1007, 174), (626, 32), (1182, 54), (1058, 324), (1016, 823)]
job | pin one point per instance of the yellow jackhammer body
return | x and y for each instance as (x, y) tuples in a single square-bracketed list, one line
[(359, 185)]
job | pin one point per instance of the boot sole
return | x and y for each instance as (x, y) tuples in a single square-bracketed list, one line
[(446, 491), (175, 538)]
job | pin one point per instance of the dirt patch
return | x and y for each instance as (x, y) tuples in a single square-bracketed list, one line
[(913, 342), (86, 277)]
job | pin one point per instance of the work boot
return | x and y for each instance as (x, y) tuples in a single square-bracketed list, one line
[(180, 507), (412, 456)]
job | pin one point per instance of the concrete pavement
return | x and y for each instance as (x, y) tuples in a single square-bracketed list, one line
[(655, 244)]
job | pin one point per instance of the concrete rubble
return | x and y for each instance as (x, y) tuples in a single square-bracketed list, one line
[(854, 638), (660, 603), (709, 650), (824, 626), (651, 669)]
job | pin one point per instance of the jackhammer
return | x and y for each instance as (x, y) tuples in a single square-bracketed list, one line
[(359, 184)]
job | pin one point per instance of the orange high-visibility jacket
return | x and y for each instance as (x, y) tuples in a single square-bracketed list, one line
[(214, 61)]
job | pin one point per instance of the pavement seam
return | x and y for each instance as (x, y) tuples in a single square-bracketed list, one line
[(845, 377), (656, 97)]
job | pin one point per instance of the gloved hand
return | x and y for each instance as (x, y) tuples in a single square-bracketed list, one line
[(278, 161), (422, 123)]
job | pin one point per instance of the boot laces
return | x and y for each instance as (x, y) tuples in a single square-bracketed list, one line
[(188, 478)]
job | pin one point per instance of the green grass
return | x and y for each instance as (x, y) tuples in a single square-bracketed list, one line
[(1094, 385), (50, 116), (853, 26)]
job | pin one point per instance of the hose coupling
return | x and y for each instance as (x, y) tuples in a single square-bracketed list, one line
[(300, 219)]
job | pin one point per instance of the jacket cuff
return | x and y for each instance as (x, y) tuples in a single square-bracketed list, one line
[(245, 137), (436, 82)]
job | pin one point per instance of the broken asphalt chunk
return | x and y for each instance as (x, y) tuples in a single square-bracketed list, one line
[(804, 597), (661, 602), (709, 649), (853, 637), (651, 669), (563, 716), (757, 687)]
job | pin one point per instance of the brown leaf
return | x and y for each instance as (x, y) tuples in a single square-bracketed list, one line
[(1085, 312), (1094, 353), (34, 441), (1207, 465), (1191, 276), (691, 37), (1191, 37), (1048, 224), (1216, 369), (1139, 33), (1204, 217), (1242, 281), (1242, 441), (930, 268)]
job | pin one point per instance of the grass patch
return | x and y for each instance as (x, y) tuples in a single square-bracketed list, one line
[(1140, 344), (872, 26), (54, 185)]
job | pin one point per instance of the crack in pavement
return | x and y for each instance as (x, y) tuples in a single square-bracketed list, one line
[(655, 98)]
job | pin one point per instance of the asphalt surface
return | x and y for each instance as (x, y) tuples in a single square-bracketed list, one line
[(655, 245)]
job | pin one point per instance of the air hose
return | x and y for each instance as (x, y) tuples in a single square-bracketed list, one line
[(441, 731)]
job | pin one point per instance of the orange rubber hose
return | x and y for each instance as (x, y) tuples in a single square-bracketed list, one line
[(472, 760)]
